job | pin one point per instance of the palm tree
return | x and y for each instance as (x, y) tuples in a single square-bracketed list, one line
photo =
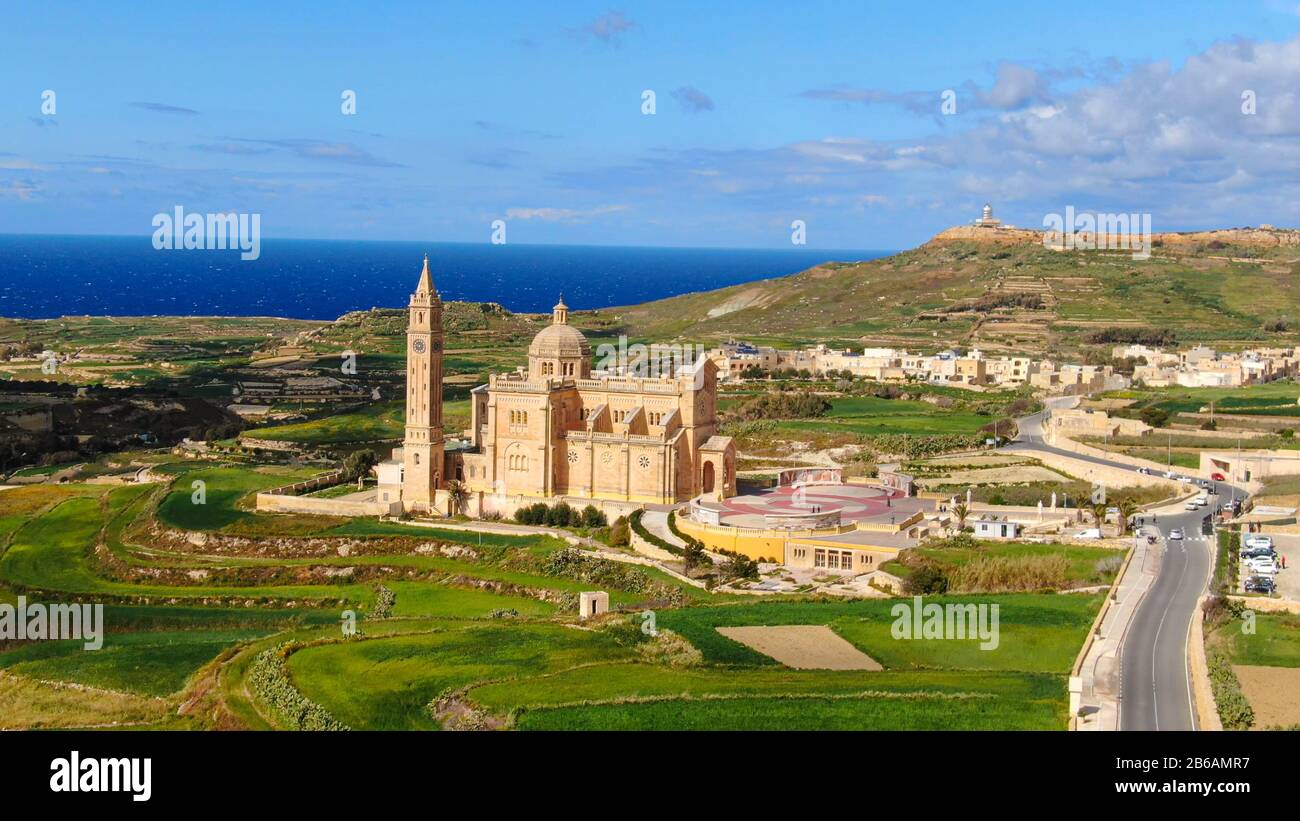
[(457, 495), (1099, 514), (961, 511), (1127, 510)]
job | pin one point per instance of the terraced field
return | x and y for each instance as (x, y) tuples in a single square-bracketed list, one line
[(482, 632)]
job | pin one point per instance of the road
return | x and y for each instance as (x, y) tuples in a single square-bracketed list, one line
[(1156, 683), (1155, 689)]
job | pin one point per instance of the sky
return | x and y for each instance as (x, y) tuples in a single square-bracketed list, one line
[(830, 113)]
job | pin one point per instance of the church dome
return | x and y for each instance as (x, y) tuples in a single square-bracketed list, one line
[(559, 349), (560, 342)]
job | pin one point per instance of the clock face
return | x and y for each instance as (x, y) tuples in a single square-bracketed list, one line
[(418, 346)]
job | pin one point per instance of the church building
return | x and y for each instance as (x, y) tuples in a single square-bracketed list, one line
[(554, 430)]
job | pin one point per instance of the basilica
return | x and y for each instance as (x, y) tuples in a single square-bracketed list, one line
[(554, 429)]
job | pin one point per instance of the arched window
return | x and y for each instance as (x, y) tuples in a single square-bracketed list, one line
[(417, 458)]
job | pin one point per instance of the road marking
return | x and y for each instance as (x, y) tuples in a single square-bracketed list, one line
[(1155, 700)]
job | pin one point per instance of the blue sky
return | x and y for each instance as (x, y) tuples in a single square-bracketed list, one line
[(766, 113)]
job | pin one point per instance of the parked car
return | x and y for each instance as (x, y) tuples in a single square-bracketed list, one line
[(1259, 553), (1088, 533), (1262, 566), (1176, 533), (1259, 584), (1258, 540), (1218, 477)]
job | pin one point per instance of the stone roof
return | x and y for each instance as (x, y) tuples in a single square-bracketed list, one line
[(555, 341)]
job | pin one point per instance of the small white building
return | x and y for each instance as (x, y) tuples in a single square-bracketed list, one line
[(592, 604), (991, 526)]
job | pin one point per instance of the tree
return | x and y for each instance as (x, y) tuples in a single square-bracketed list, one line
[(1127, 510), (1155, 417), (358, 464), (961, 511), (1098, 514), (457, 496)]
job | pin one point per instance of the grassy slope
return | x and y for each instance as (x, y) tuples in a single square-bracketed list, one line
[(881, 300)]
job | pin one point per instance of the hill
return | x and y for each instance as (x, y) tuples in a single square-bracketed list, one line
[(1003, 291)]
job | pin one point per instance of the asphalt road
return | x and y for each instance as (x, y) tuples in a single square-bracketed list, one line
[(1156, 691), (1156, 684)]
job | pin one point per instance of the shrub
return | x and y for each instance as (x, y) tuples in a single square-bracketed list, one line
[(928, 580), (1234, 709), (619, 533), (671, 649), (1155, 417), (385, 599), (790, 405), (268, 676), (593, 518)]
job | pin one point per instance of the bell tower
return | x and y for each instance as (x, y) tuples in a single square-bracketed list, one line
[(422, 448)]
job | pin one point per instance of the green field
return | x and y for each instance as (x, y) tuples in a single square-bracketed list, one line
[(482, 621), (1275, 642), (373, 423), (1083, 561)]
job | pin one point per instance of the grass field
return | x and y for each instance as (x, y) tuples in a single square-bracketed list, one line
[(1275, 642), (1083, 561), (465, 622), (869, 416), (372, 423)]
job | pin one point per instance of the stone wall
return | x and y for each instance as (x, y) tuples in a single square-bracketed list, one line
[(283, 503)]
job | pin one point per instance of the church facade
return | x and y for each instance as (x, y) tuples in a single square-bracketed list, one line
[(555, 429)]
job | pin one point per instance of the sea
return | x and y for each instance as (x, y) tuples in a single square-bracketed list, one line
[(46, 276)]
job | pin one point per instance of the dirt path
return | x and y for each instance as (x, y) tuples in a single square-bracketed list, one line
[(803, 647)]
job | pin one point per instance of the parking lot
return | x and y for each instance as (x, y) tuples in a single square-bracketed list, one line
[(1288, 580)]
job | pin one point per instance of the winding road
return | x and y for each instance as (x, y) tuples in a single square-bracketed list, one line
[(1156, 692)]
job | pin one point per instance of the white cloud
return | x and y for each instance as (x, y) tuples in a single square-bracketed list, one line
[(562, 214)]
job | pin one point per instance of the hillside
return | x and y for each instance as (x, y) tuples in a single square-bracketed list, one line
[(1003, 292)]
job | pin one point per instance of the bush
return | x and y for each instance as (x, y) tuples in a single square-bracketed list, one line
[(385, 600), (739, 567), (560, 516), (268, 676), (1155, 417), (928, 580), (593, 518), (620, 534), (800, 405), (1234, 709)]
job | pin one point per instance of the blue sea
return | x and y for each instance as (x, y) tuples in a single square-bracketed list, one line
[(49, 276)]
